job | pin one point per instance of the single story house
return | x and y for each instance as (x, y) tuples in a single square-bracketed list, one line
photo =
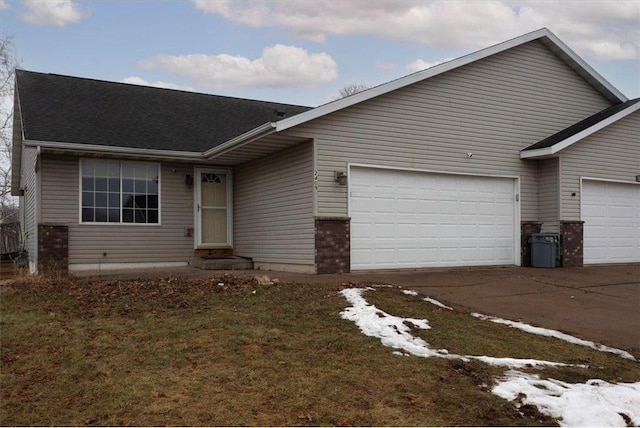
[(455, 165)]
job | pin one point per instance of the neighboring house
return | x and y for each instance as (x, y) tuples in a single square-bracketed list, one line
[(455, 165)]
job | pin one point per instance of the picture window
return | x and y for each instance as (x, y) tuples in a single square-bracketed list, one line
[(120, 192)]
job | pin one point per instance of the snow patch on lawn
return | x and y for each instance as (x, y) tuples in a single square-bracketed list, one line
[(395, 332), (556, 334), (427, 299), (435, 302), (594, 403)]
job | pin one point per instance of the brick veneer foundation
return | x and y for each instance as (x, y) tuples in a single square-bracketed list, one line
[(527, 228), (333, 245), (53, 249), (571, 243)]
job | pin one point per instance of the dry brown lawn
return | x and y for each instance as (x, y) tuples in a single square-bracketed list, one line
[(192, 352)]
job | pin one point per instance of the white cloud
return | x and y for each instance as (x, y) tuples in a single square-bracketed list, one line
[(3, 5), (419, 65), (384, 66), (52, 12), (279, 66), (600, 29), (135, 80)]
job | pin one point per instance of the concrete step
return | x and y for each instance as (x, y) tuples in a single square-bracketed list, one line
[(224, 263)]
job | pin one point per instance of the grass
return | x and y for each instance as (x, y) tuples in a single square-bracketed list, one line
[(192, 352)]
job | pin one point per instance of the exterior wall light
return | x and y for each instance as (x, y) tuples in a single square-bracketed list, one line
[(340, 177), (188, 179)]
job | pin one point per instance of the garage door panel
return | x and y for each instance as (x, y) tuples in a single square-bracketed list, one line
[(447, 207), (621, 235), (485, 231), (611, 215), (384, 204), (421, 219), (621, 212), (407, 231)]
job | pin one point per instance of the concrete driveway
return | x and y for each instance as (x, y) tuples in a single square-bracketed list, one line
[(599, 303)]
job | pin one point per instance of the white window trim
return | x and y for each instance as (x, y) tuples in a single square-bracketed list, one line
[(121, 223), (197, 197)]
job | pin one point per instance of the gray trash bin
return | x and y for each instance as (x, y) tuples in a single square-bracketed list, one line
[(544, 249)]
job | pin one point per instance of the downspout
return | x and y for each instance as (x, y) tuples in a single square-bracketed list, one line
[(36, 210)]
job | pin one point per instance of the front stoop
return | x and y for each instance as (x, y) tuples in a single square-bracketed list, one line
[(223, 263)]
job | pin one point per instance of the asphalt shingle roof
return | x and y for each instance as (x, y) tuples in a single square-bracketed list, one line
[(582, 125), (68, 109)]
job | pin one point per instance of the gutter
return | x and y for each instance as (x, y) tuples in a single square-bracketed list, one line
[(95, 148), (239, 141)]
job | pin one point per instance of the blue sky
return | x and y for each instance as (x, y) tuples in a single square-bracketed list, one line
[(302, 52)]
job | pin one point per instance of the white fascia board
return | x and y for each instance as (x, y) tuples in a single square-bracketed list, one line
[(548, 151), (408, 80), (448, 66), (537, 153), (241, 140), (559, 44), (16, 159), (96, 148), (384, 88)]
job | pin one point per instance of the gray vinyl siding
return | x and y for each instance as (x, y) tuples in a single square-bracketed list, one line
[(29, 202), (122, 243), (548, 194), (273, 208), (492, 108), (612, 153)]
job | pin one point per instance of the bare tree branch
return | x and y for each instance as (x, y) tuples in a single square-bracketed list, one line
[(8, 64), (351, 89)]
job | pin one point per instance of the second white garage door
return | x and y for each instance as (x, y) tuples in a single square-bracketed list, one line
[(408, 219), (611, 215)]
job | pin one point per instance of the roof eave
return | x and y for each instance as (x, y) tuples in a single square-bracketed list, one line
[(114, 150), (241, 140), (561, 145), (550, 40), (583, 69), (16, 145), (537, 153)]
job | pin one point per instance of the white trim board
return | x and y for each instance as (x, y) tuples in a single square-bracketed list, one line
[(543, 34), (447, 66), (115, 150), (561, 145), (607, 180), (83, 267)]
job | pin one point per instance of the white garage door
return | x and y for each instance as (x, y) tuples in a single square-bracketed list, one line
[(407, 219), (611, 215)]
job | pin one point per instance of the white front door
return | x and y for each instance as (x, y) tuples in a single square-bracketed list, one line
[(213, 208)]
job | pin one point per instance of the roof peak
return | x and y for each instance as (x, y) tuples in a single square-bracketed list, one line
[(550, 40)]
